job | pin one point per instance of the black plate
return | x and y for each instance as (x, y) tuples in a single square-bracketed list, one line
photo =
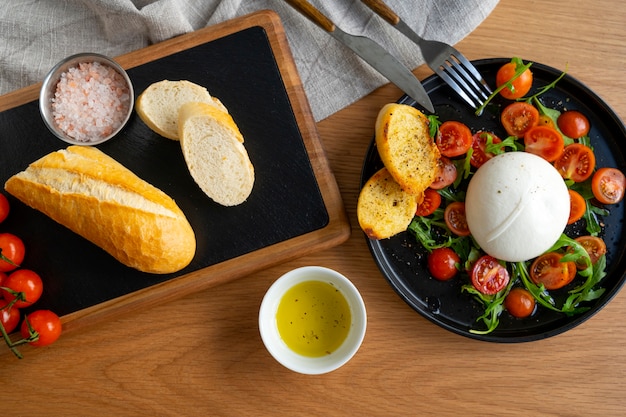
[(403, 261)]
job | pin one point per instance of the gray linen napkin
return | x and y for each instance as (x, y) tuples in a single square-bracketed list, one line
[(34, 35)]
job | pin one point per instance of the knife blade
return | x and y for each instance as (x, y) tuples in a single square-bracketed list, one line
[(371, 52)]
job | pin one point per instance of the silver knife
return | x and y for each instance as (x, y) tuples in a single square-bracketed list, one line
[(371, 52)]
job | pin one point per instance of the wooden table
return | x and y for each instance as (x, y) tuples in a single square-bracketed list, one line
[(202, 354)]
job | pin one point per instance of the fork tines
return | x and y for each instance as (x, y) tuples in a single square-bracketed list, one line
[(463, 77)]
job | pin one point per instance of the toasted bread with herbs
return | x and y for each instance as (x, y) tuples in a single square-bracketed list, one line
[(384, 209), (406, 147)]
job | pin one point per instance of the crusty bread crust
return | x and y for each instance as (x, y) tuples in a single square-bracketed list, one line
[(384, 209), (406, 148), (96, 197)]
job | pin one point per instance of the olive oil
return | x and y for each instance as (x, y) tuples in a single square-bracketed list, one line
[(313, 318)]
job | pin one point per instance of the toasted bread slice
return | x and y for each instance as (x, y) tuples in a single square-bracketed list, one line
[(158, 105), (384, 209), (216, 157), (406, 148)]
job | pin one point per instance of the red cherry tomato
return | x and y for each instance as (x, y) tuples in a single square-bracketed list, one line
[(446, 174), (4, 208), (577, 207), (594, 246), (10, 317), (577, 162), (23, 281), (46, 323), (520, 303), (548, 270), (517, 118), (479, 144), (430, 203), (454, 216), (488, 275), (442, 263), (544, 142), (573, 124), (13, 249), (454, 139), (521, 85), (608, 185)]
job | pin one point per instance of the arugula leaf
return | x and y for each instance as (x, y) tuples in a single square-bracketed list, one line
[(434, 123)]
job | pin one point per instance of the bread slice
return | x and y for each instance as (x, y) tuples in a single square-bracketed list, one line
[(406, 148), (96, 197), (216, 157), (158, 105), (384, 209)]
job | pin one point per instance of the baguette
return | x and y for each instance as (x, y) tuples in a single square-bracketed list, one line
[(406, 148), (158, 105), (213, 149), (384, 209), (96, 197)]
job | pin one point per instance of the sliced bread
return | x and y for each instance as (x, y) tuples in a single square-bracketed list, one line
[(383, 208), (214, 152), (159, 104)]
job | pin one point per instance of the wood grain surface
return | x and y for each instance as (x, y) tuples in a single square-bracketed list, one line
[(202, 354)]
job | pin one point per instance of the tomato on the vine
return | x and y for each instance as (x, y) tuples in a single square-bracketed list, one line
[(454, 216), (446, 174), (594, 246), (488, 275), (479, 144), (577, 206), (4, 207), (46, 323), (430, 203), (545, 142), (10, 317), (12, 248), (23, 281), (517, 118), (521, 85), (520, 303), (608, 185), (548, 270), (576, 163), (442, 263), (453, 139), (573, 124)]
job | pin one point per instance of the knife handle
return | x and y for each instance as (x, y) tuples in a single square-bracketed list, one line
[(314, 15), (380, 8)]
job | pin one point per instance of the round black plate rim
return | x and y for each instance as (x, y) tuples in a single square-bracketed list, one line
[(398, 284)]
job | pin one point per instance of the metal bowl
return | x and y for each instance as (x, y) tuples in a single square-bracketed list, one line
[(49, 87)]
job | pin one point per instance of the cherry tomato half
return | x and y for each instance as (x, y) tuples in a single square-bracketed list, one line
[(454, 216), (479, 144), (518, 117), (548, 270), (521, 85), (46, 323), (446, 174), (12, 248), (442, 263), (577, 162), (10, 317), (608, 185), (577, 207), (573, 124), (25, 281), (488, 275), (545, 142), (594, 246), (430, 203), (520, 303), (454, 139), (4, 207)]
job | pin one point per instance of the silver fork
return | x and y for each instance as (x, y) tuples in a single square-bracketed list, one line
[(456, 70)]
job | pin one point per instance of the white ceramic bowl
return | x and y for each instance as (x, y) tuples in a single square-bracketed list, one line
[(279, 349), (49, 87)]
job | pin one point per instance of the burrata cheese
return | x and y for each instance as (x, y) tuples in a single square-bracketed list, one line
[(517, 206)]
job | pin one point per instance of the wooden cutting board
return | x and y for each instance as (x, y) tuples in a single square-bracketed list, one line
[(295, 207)]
